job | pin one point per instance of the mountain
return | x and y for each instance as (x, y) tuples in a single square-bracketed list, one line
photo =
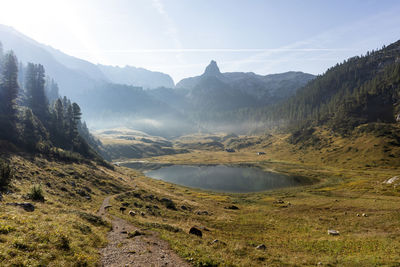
[(75, 76), (263, 89), (216, 91), (137, 77)]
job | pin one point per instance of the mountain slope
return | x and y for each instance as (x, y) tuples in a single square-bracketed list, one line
[(75, 76), (137, 77), (360, 90)]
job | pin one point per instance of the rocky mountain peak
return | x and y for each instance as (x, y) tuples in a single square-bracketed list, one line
[(212, 69)]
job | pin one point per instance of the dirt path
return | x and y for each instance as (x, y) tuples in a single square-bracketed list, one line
[(144, 250)]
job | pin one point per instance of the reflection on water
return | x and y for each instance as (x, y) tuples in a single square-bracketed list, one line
[(224, 178)]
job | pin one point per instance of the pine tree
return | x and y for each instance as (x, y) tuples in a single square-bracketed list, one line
[(37, 101), (8, 95)]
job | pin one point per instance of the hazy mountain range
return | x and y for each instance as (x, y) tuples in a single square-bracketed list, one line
[(114, 96)]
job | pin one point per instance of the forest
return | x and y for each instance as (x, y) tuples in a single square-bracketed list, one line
[(37, 119)]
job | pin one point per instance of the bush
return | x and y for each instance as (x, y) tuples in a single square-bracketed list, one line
[(6, 174), (36, 193)]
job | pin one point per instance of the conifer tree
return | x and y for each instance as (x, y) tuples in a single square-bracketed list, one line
[(8, 95), (37, 101)]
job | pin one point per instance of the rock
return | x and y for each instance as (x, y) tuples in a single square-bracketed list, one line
[(135, 233), (358, 215), (25, 205), (184, 207), (125, 204), (364, 215), (132, 213), (122, 209), (137, 205), (48, 184), (142, 213), (392, 180), (333, 232), (216, 241), (261, 247), (107, 207), (202, 212), (195, 231), (232, 207), (151, 197), (279, 201)]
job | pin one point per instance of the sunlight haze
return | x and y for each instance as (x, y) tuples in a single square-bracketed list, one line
[(180, 37)]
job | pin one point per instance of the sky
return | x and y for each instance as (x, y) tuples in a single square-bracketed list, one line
[(180, 37)]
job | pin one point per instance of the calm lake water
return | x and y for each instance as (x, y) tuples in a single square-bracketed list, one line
[(224, 178)]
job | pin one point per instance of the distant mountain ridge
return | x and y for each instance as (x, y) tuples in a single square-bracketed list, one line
[(76, 76), (136, 77)]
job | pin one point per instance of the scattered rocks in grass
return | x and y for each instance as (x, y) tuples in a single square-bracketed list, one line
[(195, 231), (25, 205), (232, 207), (261, 247), (333, 232)]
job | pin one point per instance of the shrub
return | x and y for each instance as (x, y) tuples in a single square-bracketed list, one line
[(6, 174), (36, 193), (62, 242)]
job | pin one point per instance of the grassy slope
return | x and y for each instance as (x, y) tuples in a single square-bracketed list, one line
[(63, 230)]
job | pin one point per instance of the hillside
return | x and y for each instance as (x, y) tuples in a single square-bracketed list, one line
[(75, 75), (362, 89), (137, 77)]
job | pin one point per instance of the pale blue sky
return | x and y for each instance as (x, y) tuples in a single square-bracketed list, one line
[(180, 37)]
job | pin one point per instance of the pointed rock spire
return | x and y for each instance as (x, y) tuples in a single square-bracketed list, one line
[(212, 69)]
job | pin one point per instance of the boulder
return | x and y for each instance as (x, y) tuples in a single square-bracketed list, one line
[(392, 180), (132, 213), (333, 232), (261, 247), (202, 212), (232, 207), (195, 231)]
